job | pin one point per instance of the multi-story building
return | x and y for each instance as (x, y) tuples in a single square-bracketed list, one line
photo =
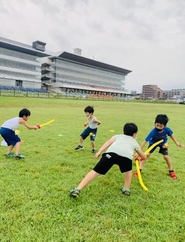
[(19, 65), (151, 92), (174, 93), (72, 72)]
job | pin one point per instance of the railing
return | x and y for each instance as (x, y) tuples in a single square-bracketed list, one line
[(16, 93)]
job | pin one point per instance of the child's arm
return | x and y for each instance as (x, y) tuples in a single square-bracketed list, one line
[(22, 121), (141, 147), (105, 146), (176, 142), (141, 154), (95, 120)]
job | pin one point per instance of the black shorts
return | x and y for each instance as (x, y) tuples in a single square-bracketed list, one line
[(163, 151), (110, 159)]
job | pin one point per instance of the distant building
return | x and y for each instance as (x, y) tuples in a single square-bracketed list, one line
[(174, 93), (19, 64), (152, 92), (73, 73)]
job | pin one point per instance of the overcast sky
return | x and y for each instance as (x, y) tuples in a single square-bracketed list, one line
[(144, 36)]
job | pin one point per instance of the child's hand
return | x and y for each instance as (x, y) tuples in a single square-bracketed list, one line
[(85, 124), (165, 146), (180, 145), (97, 154), (136, 156)]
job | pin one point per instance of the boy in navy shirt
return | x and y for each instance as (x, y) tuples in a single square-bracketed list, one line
[(160, 132)]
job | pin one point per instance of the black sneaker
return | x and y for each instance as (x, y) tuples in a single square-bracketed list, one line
[(74, 192), (79, 147), (93, 151), (125, 192)]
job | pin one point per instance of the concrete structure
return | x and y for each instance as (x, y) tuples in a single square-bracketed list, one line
[(174, 93), (71, 72), (19, 66), (152, 92)]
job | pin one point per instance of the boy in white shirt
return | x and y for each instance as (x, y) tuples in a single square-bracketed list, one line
[(120, 151), (8, 133)]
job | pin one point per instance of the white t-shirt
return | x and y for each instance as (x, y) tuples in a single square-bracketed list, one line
[(91, 124), (124, 145), (11, 123)]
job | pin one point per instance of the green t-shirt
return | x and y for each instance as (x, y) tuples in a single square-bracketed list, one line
[(124, 145)]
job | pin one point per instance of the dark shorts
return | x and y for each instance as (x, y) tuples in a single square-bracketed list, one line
[(163, 151), (87, 132), (9, 136), (110, 159)]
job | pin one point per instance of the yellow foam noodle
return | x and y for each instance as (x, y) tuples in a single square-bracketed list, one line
[(51, 121), (137, 164), (140, 178)]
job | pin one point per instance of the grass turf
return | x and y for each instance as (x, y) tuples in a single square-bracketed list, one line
[(35, 205)]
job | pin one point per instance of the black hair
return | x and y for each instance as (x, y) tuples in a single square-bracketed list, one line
[(162, 119), (89, 109), (130, 129), (24, 112)]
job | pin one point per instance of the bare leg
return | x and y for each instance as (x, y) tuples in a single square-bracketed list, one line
[(143, 161), (10, 148), (93, 144), (128, 179), (87, 179), (81, 141), (168, 161), (17, 147)]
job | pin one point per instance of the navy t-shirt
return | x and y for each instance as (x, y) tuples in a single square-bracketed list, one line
[(155, 136)]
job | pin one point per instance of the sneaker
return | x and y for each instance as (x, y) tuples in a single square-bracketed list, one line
[(79, 147), (74, 192), (125, 192), (19, 156), (173, 175), (10, 155), (93, 151)]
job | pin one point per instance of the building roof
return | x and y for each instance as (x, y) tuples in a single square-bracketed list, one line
[(86, 61), (17, 46)]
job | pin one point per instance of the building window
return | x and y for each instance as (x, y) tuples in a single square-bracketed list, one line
[(18, 83)]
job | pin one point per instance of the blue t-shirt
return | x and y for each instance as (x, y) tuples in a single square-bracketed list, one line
[(155, 136)]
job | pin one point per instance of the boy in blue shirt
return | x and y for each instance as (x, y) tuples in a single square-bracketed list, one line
[(160, 132)]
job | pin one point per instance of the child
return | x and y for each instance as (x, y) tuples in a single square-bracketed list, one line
[(8, 133), (120, 152), (91, 130), (160, 132)]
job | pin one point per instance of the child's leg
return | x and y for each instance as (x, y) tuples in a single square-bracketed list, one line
[(17, 148), (10, 148), (168, 161), (81, 141), (87, 179), (142, 162), (128, 179), (93, 144)]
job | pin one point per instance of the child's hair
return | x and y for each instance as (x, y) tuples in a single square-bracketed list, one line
[(130, 129), (162, 119), (24, 112), (89, 109)]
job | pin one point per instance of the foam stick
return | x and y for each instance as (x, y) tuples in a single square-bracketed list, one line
[(140, 177), (42, 125), (152, 146), (137, 164)]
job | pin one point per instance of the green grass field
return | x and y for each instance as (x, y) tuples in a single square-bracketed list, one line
[(34, 193)]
